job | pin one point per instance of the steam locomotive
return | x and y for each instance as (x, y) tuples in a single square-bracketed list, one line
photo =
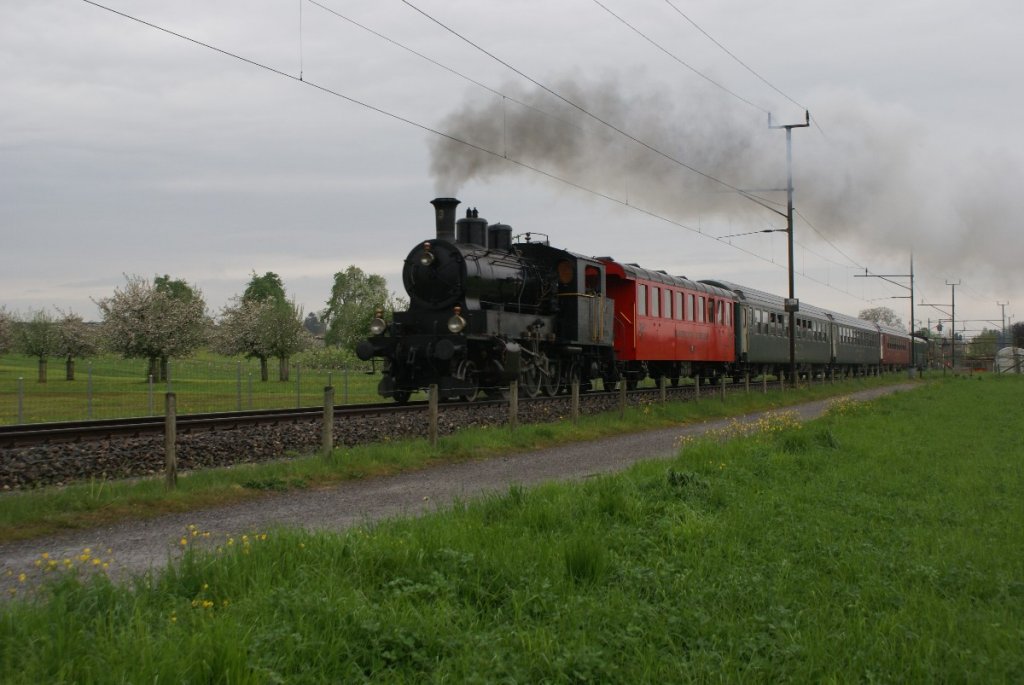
[(485, 310)]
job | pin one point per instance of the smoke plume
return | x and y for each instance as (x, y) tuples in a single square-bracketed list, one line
[(871, 176)]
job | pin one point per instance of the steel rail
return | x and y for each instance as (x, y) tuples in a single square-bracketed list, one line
[(28, 435)]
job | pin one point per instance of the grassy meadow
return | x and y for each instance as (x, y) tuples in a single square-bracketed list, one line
[(882, 543), (108, 386)]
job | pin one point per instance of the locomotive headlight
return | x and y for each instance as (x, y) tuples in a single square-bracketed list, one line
[(378, 325), (456, 324), (427, 257)]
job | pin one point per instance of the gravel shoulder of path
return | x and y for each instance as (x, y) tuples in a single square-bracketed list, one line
[(133, 547)]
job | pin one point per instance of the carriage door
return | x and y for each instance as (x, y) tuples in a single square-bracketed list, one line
[(833, 340), (744, 323)]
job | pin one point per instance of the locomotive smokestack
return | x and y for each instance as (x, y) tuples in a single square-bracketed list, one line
[(445, 216)]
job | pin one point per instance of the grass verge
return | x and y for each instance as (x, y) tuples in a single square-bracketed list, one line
[(881, 543), (29, 514)]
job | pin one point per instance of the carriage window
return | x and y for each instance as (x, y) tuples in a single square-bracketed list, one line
[(641, 299), (721, 312), (667, 309), (655, 298), (693, 307), (678, 311), (702, 310)]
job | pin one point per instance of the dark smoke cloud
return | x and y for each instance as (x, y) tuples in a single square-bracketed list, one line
[(872, 176)]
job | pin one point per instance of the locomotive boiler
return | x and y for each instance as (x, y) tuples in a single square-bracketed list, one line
[(484, 310)]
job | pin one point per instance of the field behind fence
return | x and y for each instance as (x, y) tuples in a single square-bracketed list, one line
[(108, 387)]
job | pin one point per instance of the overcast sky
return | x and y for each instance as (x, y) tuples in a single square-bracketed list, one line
[(126, 150)]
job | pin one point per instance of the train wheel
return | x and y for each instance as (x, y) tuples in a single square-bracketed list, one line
[(401, 396), (529, 380), (470, 384), (553, 381)]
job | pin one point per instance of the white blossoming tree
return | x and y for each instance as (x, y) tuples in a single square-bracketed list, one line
[(262, 324), (36, 336), (155, 321), (75, 340), (5, 330)]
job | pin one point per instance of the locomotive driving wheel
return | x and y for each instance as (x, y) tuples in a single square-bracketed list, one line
[(530, 379), (470, 383), (552, 382)]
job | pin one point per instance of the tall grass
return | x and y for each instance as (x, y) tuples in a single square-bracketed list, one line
[(882, 543)]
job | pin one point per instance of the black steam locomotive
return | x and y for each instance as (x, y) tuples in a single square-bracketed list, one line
[(483, 312)]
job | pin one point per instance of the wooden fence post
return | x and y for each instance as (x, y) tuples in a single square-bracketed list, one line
[(664, 392), (513, 405), (696, 388), (574, 405), (622, 398), (170, 437), (327, 434), (432, 401)]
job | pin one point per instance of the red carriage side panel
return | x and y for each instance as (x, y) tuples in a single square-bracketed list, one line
[(664, 318), (895, 350)]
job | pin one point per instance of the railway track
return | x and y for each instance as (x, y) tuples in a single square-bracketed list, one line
[(37, 455), (27, 435)]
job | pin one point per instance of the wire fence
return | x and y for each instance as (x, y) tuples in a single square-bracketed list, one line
[(111, 387)]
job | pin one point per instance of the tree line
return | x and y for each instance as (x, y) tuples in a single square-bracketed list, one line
[(167, 318)]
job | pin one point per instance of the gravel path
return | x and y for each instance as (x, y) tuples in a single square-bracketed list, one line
[(135, 546)]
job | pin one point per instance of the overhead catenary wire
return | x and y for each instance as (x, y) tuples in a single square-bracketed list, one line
[(437, 63), (455, 139), (585, 111), (825, 238), (733, 56), (678, 59)]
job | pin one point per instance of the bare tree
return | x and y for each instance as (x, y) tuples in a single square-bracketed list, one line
[(882, 315), (154, 321)]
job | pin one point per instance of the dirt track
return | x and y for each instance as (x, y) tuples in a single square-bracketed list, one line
[(136, 546)]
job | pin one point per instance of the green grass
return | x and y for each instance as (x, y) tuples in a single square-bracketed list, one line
[(111, 387), (34, 513), (880, 544)]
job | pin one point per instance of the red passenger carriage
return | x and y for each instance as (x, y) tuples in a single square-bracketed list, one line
[(669, 326)]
